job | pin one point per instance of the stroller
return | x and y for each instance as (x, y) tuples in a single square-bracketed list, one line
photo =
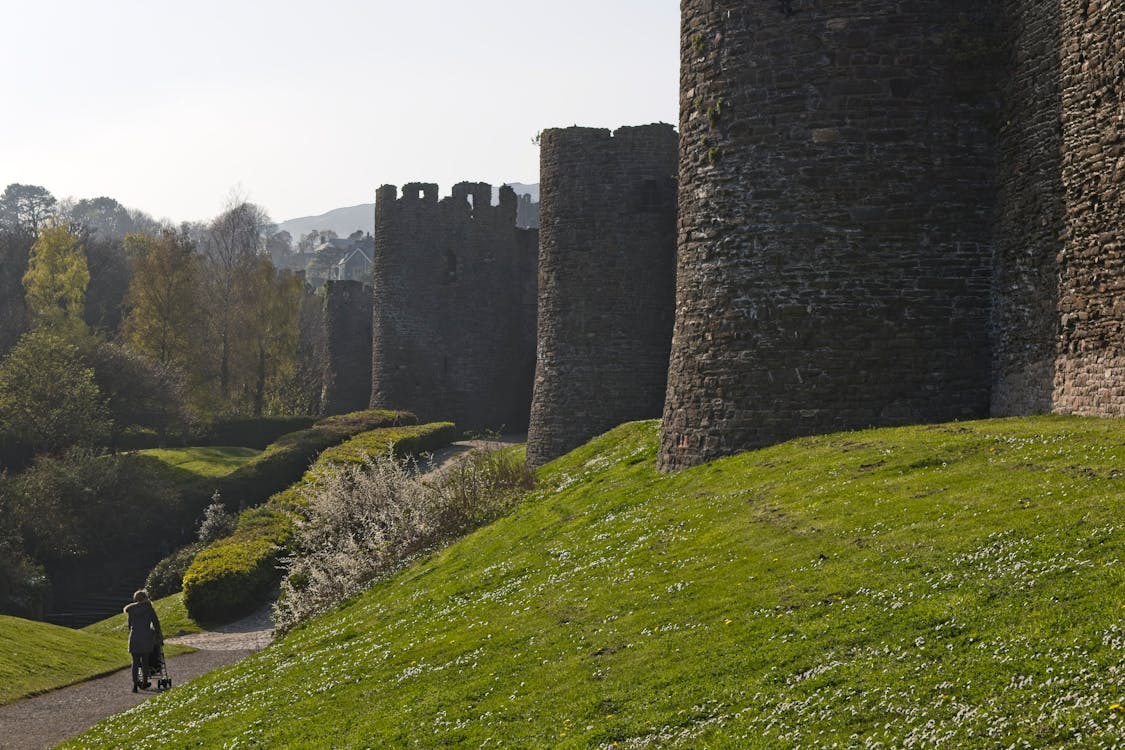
[(158, 668)]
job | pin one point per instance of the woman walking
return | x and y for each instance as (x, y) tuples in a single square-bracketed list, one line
[(144, 636)]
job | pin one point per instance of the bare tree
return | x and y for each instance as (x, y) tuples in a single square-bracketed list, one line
[(230, 247)]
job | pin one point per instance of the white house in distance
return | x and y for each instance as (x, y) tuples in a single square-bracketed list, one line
[(354, 266)]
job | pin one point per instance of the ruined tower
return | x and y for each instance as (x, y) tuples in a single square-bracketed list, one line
[(347, 322), (454, 306), (606, 264), (836, 191)]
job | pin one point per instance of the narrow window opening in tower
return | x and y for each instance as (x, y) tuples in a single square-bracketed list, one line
[(445, 368)]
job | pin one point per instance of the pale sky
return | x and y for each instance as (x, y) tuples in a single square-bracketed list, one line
[(307, 106)]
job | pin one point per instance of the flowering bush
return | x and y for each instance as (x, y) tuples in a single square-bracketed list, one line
[(363, 520)]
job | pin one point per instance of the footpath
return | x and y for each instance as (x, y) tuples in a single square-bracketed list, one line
[(46, 720)]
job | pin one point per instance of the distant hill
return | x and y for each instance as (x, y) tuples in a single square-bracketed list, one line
[(344, 221)]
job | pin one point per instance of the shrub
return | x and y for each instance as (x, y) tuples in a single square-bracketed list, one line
[(235, 574), (217, 522), (232, 576), (363, 520), (285, 460), (88, 507), (167, 576)]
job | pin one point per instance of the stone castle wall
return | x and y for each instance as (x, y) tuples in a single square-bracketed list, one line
[(836, 190), (452, 339), (1025, 324), (606, 265), (1090, 373), (347, 322)]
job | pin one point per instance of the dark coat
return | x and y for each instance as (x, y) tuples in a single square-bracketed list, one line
[(144, 627)]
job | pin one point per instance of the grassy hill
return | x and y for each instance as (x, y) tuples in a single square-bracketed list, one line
[(941, 586), (186, 466), (38, 656), (174, 621)]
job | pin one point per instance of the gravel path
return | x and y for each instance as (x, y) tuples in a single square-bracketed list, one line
[(46, 720), (442, 459)]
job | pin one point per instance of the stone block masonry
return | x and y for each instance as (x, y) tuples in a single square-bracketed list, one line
[(347, 320), (606, 264), (1029, 219), (454, 306), (1090, 372), (836, 194)]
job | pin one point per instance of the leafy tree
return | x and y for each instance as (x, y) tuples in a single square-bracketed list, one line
[(87, 505), (138, 392), (15, 247), (102, 217), (49, 399), (23, 582), (162, 299), (110, 276), (26, 208), (56, 281), (299, 390), (279, 245)]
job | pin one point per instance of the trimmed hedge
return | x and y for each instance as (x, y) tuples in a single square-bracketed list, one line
[(234, 575), (252, 433), (407, 441), (285, 460), (167, 576)]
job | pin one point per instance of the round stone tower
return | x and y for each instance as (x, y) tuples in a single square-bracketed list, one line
[(836, 186), (607, 244)]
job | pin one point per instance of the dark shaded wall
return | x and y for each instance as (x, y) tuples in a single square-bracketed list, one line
[(1025, 321), (347, 322), (453, 322), (836, 191), (607, 249), (1090, 374)]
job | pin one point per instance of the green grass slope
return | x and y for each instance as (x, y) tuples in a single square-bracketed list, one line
[(38, 656), (174, 620), (186, 466), (941, 586)]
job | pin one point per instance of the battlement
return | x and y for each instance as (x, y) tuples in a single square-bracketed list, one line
[(472, 200), (453, 318)]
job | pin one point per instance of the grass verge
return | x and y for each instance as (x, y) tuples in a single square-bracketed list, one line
[(38, 656), (940, 586)]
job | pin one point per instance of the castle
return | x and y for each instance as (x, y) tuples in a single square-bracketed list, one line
[(453, 328), (895, 212), (886, 213)]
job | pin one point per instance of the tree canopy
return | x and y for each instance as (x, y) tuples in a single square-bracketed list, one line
[(56, 281)]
